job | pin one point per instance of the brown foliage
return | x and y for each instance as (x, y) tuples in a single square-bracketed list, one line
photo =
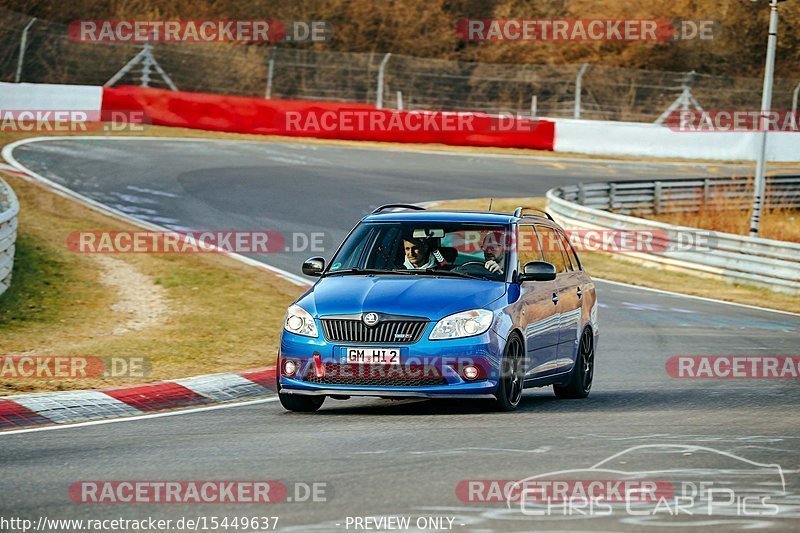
[(426, 28)]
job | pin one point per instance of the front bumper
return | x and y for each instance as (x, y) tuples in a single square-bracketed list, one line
[(444, 359)]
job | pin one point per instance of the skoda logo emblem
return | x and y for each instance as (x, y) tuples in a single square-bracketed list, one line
[(370, 319)]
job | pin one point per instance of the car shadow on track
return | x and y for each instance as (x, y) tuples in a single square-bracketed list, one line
[(684, 399)]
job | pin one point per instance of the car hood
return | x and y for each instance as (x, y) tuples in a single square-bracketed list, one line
[(429, 297)]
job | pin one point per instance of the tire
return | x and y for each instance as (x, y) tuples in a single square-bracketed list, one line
[(580, 381), (509, 390), (301, 404)]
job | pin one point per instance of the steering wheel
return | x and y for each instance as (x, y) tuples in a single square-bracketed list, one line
[(472, 264)]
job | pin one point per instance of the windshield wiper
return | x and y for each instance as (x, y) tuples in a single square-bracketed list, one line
[(365, 271), (435, 272)]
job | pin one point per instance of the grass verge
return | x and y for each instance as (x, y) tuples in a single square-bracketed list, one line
[(617, 268), (222, 315)]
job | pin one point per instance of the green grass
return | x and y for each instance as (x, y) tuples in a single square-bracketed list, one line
[(37, 292)]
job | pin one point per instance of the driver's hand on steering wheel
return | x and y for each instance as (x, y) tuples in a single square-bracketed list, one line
[(493, 267)]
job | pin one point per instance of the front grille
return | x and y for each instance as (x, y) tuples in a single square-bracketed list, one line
[(391, 331), (378, 375)]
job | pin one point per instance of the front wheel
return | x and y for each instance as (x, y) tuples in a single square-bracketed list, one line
[(509, 391), (580, 382), (299, 403)]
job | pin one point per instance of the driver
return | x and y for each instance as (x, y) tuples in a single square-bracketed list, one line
[(493, 252), (417, 254)]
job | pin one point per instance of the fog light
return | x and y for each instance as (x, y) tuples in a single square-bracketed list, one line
[(289, 367), (470, 372)]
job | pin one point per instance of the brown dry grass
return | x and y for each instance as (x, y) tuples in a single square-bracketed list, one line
[(724, 213)]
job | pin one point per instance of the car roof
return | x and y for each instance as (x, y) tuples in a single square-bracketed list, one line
[(476, 217), (441, 216)]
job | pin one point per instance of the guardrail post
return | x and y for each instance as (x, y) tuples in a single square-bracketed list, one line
[(381, 70), (657, 197), (9, 208), (612, 193), (706, 192), (581, 194), (23, 44)]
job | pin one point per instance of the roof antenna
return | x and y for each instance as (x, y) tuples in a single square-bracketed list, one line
[(490, 203)]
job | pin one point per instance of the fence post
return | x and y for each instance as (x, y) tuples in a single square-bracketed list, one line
[(399, 100), (578, 80), (270, 71), (795, 93), (23, 44), (533, 105), (381, 69), (657, 197)]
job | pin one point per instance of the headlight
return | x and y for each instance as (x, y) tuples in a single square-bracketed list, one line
[(300, 322), (464, 324)]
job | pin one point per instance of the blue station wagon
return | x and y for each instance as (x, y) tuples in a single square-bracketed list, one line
[(442, 304)]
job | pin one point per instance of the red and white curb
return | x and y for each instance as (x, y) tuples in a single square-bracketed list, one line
[(69, 407)]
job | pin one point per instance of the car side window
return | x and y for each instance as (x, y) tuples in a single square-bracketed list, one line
[(528, 247), (551, 248), (569, 251)]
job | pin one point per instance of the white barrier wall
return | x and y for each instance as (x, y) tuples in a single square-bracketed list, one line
[(43, 97), (651, 140)]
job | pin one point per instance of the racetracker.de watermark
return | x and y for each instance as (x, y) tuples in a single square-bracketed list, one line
[(73, 367), (735, 120), (195, 241), (589, 240), (379, 120), (258, 492), (734, 366), (198, 31), (72, 121), (594, 29), (479, 491)]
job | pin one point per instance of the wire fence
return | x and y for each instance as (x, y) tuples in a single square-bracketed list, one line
[(39, 51)]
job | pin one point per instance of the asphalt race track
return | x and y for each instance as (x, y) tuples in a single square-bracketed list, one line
[(384, 458)]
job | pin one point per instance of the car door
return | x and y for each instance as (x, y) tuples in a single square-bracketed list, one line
[(569, 297), (540, 317)]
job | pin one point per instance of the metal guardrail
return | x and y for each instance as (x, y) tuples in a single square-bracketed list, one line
[(735, 258), (670, 196), (9, 207)]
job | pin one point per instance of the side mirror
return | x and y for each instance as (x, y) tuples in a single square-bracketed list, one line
[(537, 271), (313, 266)]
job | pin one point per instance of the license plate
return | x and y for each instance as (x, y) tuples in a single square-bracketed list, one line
[(374, 356)]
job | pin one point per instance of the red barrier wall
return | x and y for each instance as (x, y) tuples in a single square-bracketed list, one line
[(328, 120)]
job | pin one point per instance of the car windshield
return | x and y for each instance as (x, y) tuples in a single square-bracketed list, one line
[(425, 248)]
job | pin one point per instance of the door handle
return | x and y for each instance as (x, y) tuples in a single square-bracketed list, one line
[(555, 298), (580, 293)]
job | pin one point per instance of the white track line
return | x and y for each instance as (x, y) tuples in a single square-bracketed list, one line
[(69, 193), (140, 417), (693, 297), (8, 156), (387, 149)]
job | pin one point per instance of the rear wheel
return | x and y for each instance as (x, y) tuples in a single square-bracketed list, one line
[(509, 391), (580, 382), (300, 403)]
